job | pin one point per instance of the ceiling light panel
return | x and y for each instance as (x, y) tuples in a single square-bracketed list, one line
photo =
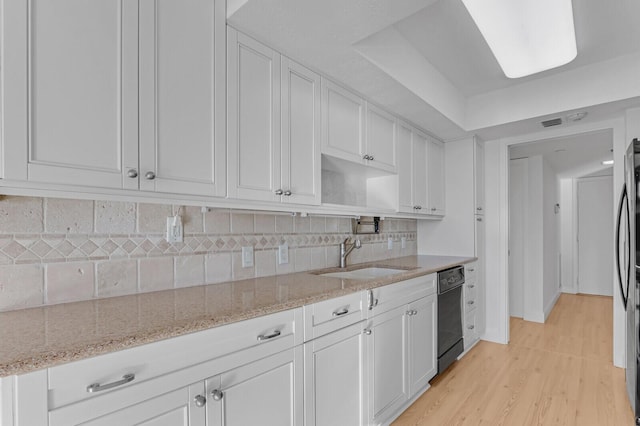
[(526, 36)]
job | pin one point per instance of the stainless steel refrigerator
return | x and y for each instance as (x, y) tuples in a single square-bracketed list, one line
[(627, 256)]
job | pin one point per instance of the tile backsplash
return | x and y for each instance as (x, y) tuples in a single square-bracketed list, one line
[(57, 250)]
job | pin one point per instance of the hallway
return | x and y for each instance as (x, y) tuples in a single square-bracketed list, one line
[(557, 373)]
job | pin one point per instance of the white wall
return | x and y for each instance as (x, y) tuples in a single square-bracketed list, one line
[(567, 235), (454, 234), (534, 244), (550, 246)]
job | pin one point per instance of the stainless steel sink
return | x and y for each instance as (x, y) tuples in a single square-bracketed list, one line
[(364, 273)]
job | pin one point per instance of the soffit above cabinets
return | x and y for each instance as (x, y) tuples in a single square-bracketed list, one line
[(426, 60)]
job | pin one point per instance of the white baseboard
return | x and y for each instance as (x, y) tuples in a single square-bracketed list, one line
[(493, 335), (569, 290), (550, 305)]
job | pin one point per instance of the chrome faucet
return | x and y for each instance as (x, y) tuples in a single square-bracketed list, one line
[(344, 251)]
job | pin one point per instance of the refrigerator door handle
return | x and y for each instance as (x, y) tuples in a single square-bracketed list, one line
[(623, 196)]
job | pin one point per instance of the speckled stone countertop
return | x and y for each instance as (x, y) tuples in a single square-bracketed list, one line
[(36, 338)]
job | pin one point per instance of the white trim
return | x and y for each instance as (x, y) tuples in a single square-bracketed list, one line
[(551, 305)]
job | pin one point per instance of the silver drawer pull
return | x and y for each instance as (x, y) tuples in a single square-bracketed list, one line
[(262, 337), (367, 331), (97, 387), (217, 394), (471, 269), (471, 327), (471, 302), (200, 400), (341, 312)]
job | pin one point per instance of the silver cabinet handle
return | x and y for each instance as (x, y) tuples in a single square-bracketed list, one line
[(341, 312), (412, 312), (262, 337), (433, 209), (419, 207), (415, 312), (371, 157), (366, 157), (217, 394), (200, 400), (479, 209), (279, 192), (375, 303), (472, 286), (97, 387), (408, 313), (471, 327), (367, 331), (287, 193), (471, 302), (132, 173), (150, 175), (471, 269), (479, 219)]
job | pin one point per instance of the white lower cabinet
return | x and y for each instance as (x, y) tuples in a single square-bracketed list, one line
[(423, 342), (264, 392), (335, 377), (175, 408)]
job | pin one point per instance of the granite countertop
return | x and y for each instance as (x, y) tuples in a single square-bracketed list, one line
[(36, 338)]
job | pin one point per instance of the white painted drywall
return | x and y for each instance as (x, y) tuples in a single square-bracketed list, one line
[(550, 246), (567, 235), (518, 209), (454, 234), (534, 243)]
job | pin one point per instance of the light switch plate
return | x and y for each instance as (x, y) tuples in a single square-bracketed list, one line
[(283, 254), (403, 242), (247, 256), (390, 244)]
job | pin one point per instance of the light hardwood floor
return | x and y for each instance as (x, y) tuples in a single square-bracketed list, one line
[(557, 373)]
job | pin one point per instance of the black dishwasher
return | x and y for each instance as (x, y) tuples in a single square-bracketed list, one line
[(450, 343)]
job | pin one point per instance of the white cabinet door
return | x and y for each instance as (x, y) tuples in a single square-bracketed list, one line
[(300, 147), (335, 373), (479, 176), (181, 78), (70, 91), (381, 139), (420, 173), (253, 99), (435, 169), (343, 118), (387, 359), (266, 392), (404, 157), (423, 341), (174, 408)]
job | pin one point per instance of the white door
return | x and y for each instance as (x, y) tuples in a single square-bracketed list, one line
[(381, 139), (300, 152), (253, 99), (343, 121), (70, 111), (386, 348), (175, 408), (595, 234), (265, 392), (435, 170), (335, 388), (405, 169), (423, 342), (479, 176), (181, 77), (518, 170), (420, 173)]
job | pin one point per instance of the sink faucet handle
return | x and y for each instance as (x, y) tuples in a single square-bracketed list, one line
[(358, 244)]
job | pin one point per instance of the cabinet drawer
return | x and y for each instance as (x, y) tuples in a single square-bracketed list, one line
[(69, 383), (385, 298), (470, 271), (470, 332), (470, 297), (329, 315)]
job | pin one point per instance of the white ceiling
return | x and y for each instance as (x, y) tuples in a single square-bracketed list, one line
[(572, 156), (456, 87)]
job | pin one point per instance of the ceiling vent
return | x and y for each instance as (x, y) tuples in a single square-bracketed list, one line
[(552, 122)]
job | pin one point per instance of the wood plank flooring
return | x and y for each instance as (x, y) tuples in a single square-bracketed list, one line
[(557, 373)]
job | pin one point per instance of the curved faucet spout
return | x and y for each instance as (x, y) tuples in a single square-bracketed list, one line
[(344, 250)]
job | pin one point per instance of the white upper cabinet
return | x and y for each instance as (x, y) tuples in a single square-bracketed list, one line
[(412, 170), (435, 171), (268, 162), (70, 85), (90, 85), (381, 139), (253, 100), (181, 111), (343, 118), (300, 147)]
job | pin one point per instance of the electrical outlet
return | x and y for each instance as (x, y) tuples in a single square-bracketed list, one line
[(174, 229), (403, 242), (283, 254), (390, 244), (247, 256)]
